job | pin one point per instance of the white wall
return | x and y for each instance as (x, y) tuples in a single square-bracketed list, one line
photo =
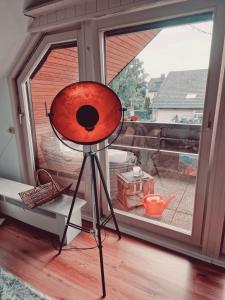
[(13, 32), (9, 165)]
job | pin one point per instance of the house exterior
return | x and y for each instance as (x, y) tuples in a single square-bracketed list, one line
[(180, 98), (154, 86)]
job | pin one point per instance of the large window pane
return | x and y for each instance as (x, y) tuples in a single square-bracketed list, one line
[(58, 69), (160, 76)]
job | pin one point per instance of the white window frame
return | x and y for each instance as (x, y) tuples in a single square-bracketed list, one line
[(27, 145), (159, 14)]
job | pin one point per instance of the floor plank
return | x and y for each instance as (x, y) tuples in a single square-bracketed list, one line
[(134, 269)]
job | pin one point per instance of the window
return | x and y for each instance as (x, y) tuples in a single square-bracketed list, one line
[(191, 96), (160, 76), (58, 69)]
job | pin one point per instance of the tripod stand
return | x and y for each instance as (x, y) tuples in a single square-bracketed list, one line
[(99, 222)]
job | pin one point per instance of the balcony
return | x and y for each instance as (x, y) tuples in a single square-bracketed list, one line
[(168, 152)]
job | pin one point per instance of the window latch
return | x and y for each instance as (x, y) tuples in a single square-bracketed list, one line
[(21, 115), (209, 122)]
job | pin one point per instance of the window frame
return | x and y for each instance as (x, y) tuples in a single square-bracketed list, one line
[(92, 45), (45, 45), (157, 15)]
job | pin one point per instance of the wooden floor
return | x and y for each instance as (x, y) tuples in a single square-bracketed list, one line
[(135, 270)]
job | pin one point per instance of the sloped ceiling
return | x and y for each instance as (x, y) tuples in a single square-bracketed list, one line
[(13, 31)]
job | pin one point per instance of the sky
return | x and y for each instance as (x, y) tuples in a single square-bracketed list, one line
[(185, 47)]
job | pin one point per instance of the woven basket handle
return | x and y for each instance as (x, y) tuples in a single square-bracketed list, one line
[(49, 175)]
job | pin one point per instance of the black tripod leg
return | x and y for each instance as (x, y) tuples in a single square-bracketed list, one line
[(107, 196), (98, 225), (72, 204)]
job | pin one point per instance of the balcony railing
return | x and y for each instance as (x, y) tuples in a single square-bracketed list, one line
[(161, 143)]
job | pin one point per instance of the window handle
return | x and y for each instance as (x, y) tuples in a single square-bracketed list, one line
[(21, 115), (209, 121)]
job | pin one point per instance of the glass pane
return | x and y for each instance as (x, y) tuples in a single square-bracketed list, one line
[(59, 69), (160, 76)]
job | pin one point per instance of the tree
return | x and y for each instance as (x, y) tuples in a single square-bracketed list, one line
[(131, 85)]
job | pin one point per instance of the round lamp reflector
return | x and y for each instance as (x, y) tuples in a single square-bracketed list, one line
[(86, 112)]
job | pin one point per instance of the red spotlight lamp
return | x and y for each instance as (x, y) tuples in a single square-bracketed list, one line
[(87, 113)]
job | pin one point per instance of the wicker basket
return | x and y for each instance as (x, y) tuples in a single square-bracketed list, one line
[(42, 193)]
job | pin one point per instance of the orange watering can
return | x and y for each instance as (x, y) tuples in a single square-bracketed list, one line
[(155, 204)]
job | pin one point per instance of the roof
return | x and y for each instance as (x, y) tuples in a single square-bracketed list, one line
[(155, 83), (182, 89)]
